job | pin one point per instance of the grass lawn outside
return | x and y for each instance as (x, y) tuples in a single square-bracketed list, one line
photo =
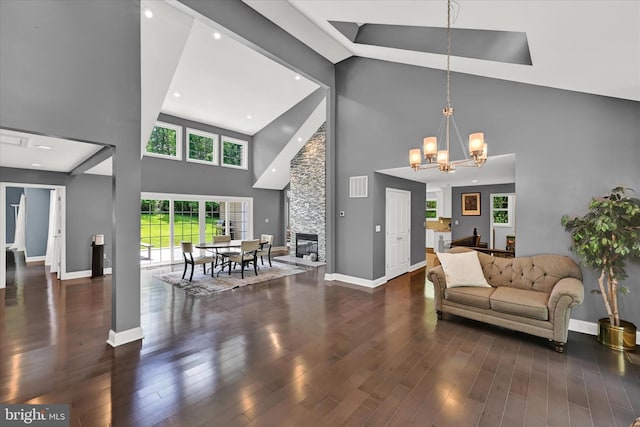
[(154, 229)]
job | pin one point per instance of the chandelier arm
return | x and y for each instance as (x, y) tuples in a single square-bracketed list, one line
[(439, 134), (455, 126)]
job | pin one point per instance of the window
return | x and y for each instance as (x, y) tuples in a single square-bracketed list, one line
[(431, 211), (202, 147), (165, 141), (234, 153), (502, 210)]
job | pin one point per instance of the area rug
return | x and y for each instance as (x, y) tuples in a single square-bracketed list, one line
[(204, 285)]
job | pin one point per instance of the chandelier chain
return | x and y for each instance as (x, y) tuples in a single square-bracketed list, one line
[(448, 53)]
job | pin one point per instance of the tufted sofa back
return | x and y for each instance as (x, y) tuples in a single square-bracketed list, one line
[(536, 273)]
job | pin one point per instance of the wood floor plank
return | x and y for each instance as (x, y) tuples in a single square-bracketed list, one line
[(295, 351)]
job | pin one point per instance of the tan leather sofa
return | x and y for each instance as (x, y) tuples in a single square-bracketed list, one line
[(527, 294)]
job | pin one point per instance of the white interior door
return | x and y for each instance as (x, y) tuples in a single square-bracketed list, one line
[(398, 232)]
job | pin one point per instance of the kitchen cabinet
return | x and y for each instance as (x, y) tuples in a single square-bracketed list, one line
[(430, 239)]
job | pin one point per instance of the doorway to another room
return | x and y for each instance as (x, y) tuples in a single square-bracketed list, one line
[(32, 228)]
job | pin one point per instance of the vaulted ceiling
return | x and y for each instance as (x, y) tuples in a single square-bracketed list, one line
[(590, 46)]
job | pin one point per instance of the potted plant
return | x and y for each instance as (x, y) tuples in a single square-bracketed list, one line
[(605, 239)]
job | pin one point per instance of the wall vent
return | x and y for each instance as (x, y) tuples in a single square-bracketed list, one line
[(358, 186)]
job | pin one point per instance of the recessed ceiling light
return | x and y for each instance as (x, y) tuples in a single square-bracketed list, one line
[(273, 170), (44, 147), (249, 117), (35, 164), (177, 94), (297, 77), (217, 35), (474, 180), (299, 139), (148, 13)]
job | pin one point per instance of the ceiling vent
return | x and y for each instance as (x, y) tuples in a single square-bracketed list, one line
[(16, 141), (358, 186)]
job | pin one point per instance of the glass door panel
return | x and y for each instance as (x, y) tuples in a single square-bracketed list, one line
[(186, 225), (154, 231)]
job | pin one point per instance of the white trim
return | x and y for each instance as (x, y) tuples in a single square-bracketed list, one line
[(178, 130), (216, 144), (81, 274), (356, 280), (589, 328), (120, 338), (3, 221), (421, 264), (245, 154), (34, 258)]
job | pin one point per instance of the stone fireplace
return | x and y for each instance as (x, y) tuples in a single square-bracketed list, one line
[(307, 199)]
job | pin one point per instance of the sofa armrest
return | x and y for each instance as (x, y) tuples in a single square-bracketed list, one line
[(567, 293), (570, 287), (437, 277)]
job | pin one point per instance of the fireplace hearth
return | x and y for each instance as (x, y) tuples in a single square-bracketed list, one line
[(307, 244)]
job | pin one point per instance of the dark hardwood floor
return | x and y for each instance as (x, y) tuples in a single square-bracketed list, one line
[(296, 351)]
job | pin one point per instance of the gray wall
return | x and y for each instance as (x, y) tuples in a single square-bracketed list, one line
[(270, 140), (13, 198), (72, 69), (37, 221), (89, 210), (182, 177), (569, 147), (466, 224)]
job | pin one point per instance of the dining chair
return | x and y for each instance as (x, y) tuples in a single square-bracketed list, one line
[(187, 253), (222, 254), (266, 241), (247, 255)]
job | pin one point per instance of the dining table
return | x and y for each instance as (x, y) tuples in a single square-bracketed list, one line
[(216, 247)]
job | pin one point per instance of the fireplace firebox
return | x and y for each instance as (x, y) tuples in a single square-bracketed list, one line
[(307, 244)]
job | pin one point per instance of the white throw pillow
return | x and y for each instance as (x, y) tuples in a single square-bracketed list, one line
[(462, 269)]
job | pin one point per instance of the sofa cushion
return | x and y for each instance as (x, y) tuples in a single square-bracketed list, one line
[(476, 297), (462, 269), (530, 304)]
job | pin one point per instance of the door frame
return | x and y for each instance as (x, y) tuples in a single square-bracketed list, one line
[(407, 194), (3, 226)]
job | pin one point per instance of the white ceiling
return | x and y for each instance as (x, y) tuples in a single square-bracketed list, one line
[(590, 46), (222, 82), (497, 170), (28, 151)]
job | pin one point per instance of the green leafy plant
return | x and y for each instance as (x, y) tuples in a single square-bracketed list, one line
[(605, 239)]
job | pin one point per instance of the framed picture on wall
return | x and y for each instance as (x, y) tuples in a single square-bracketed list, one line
[(470, 204)]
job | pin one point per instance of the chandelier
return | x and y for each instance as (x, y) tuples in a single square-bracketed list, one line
[(439, 158)]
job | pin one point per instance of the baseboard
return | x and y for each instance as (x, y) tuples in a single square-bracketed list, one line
[(82, 274), (370, 284), (120, 338), (589, 328), (421, 264), (35, 258)]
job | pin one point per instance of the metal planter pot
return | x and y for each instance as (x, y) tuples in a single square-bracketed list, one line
[(621, 337)]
